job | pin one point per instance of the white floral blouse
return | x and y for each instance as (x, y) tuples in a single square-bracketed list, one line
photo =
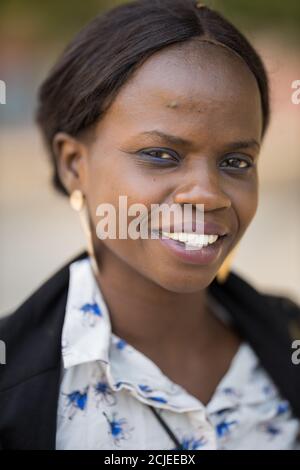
[(107, 386)]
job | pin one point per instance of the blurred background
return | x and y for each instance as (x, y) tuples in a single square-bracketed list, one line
[(38, 230)]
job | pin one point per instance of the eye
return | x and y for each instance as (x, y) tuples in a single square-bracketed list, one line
[(237, 162), (160, 156)]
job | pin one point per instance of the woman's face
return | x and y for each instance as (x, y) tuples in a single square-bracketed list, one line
[(208, 99)]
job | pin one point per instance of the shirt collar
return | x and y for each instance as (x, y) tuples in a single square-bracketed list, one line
[(245, 383), (87, 328)]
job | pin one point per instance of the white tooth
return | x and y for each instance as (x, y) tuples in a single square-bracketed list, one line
[(174, 236), (201, 240), (192, 239), (166, 234), (194, 242), (193, 247), (182, 237), (213, 238)]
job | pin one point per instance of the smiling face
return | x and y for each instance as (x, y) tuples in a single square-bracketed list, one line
[(206, 97)]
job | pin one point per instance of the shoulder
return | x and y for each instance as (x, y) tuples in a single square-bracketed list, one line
[(32, 333), (270, 324), (240, 294)]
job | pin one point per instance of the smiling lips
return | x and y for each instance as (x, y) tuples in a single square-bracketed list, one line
[(200, 236)]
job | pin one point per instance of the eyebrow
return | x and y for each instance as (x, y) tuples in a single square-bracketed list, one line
[(243, 144), (175, 140), (172, 139)]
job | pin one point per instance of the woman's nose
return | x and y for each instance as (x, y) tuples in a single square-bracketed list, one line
[(202, 189)]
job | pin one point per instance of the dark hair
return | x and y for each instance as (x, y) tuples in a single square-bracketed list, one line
[(106, 52)]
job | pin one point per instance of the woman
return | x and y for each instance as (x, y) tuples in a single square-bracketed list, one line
[(142, 343)]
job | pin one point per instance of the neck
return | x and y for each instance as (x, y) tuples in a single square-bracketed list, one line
[(148, 316)]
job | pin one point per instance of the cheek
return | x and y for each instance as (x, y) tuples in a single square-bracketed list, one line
[(117, 175), (244, 197), (112, 178)]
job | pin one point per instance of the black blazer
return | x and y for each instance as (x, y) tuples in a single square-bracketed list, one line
[(30, 379)]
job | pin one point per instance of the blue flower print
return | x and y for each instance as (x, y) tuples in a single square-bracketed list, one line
[(104, 393), (118, 428), (231, 392), (76, 400), (222, 411), (271, 430), (191, 443), (267, 389), (121, 344), (158, 399), (145, 388), (91, 313), (223, 428), (282, 408), (118, 384)]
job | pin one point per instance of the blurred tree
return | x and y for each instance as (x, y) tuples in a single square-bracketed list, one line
[(275, 14), (57, 19)]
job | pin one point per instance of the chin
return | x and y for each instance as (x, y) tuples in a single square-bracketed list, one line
[(185, 284)]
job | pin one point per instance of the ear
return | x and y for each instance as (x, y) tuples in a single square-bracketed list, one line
[(71, 156)]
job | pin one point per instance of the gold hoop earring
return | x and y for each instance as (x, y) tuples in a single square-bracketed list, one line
[(224, 270), (78, 204)]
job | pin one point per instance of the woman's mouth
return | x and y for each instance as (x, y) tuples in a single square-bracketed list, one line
[(192, 247)]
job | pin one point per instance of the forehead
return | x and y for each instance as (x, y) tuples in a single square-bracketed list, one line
[(189, 89)]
